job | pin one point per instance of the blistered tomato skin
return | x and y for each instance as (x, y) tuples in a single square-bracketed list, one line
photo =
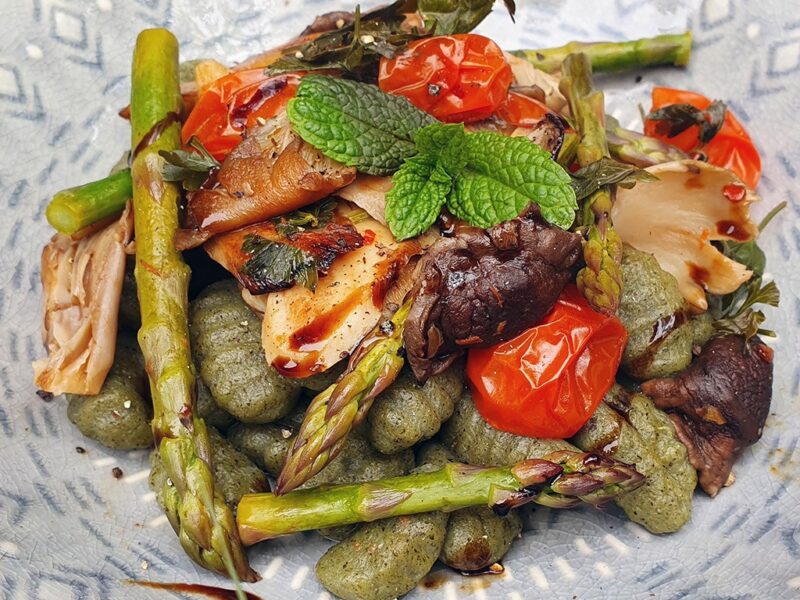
[(731, 148), (233, 103), (547, 381), (456, 78)]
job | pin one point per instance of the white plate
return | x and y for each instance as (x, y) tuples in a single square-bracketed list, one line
[(68, 529)]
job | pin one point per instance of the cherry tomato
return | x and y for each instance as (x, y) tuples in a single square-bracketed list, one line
[(456, 78), (521, 110), (547, 381), (731, 148), (233, 103)]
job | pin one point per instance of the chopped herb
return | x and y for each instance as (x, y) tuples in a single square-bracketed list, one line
[(736, 313), (358, 46), (276, 264), (607, 171), (189, 167), (677, 118), (314, 217)]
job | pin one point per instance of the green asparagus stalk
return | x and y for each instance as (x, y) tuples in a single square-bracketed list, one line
[(671, 49), (195, 507), (561, 480), (75, 208), (343, 405), (638, 149), (600, 281)]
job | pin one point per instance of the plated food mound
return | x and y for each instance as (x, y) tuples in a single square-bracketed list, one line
[(392, 282)]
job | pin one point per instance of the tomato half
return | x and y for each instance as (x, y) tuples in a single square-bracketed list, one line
[(232, 104), (456, 78), (548, 381), (731, 148), (521, 110)]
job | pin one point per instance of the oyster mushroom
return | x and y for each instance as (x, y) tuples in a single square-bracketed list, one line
[(306, 332), (677, 217)]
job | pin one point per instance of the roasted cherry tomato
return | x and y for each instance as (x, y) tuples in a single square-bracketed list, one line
[(731, 148), (521, 110), (233, 103), (547, 381), (456, 78)]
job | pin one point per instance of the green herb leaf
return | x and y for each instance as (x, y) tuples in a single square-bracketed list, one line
[(502, 175), (458, 16), (275, 264), (749, 253), (356, 123), (747, 324), (315, 216), (191, 168), (419, 190), (735, 313), (607, 171), (357, 46), (677, 118)]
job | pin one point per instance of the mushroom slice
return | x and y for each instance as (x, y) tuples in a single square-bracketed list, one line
[(82, 282), (271, 172), (368, 192), (307, 332), (677, 217), (257, 272)]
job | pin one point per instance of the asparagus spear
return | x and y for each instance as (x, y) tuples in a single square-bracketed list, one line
[(560, 480), (343, 405), (75, 208), (600, 281), (638, 149), (195, 507), (671, 49)]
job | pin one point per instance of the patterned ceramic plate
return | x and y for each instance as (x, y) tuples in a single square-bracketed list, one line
[(68, 529)]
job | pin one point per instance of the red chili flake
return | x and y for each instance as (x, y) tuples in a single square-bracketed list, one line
[(369, 237), (734, 192)]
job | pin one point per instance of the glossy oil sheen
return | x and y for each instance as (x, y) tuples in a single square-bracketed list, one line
[(68, 529)]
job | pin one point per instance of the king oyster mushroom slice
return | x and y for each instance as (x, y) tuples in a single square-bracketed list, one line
[(307, 332), (677, 217)]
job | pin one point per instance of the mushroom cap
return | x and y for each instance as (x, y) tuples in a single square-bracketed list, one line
[(677, 217)]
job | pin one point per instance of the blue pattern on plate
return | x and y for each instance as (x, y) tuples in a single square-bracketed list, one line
[(70, 530)]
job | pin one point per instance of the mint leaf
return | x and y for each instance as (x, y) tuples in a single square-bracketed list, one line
[(502, 175), (444, 142), (356, 123), (419, 190)]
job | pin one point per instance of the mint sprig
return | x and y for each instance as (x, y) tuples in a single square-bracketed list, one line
[(483, 178), (356, 123)]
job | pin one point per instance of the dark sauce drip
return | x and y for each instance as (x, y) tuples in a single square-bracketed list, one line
[(306, 367), (662, 328), (520, 498), (154, 133), (209, 591), (265, 92), (732, 229), (699, 275), (310, 338)]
